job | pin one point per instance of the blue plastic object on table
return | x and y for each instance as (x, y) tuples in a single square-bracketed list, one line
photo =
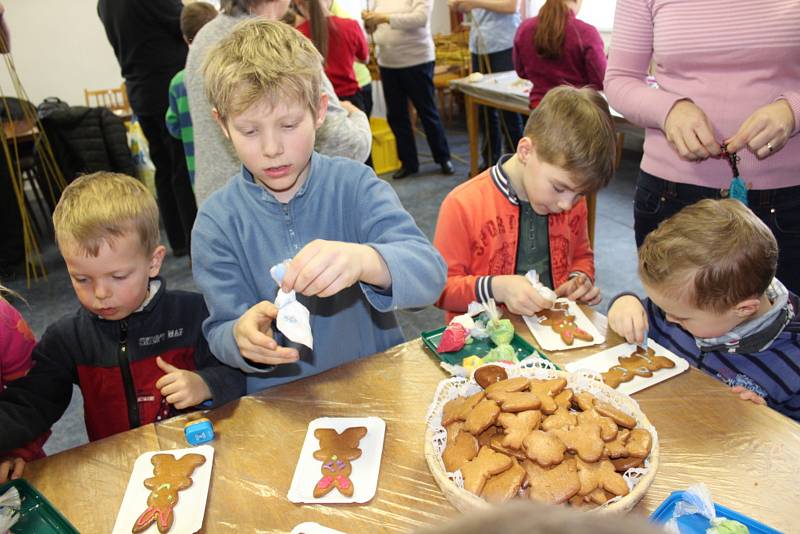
[(199, 431), (697, 524)]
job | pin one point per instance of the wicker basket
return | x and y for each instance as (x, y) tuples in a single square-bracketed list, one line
[(451, 484)]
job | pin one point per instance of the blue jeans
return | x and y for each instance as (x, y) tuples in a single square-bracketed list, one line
[(657, 199)]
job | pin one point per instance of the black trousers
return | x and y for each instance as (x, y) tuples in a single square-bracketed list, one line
[(415, 83), (489, 118), (176, 200), (657, 199)]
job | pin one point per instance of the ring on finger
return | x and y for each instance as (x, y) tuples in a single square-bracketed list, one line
[(769, 146)]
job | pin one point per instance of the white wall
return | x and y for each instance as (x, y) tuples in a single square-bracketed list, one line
[(59, 48)]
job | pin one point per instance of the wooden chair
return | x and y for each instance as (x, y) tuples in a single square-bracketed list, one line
[(115, 99), (452, 62)]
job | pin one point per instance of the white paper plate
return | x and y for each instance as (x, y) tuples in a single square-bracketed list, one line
[(603, 361), (191, 505), (549, 340), (365, 468)]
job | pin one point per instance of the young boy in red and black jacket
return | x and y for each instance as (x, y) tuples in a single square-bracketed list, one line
[(134, 348)]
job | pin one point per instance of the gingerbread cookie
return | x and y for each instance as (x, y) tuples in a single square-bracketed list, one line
[(482, 417), (583, 440), (563, 418), (519, 383), (623, 464), (517, 401), (562, 323), (485, 437), (584, 400), (518, 426), (600, 475), (553, 485), (639, 363), (336, 451), (463, 449), (546, 390), (487, 375), (639, 443), (544, 448), (506, 485), (478, 470), (608, 428), (616, 447), (458, 408), (618, 416), (496, 443), (169, 477)]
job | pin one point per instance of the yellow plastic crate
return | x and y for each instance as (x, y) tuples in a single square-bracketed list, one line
[(384, 150)]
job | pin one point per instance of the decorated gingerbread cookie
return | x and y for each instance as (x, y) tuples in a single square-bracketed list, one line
[(169, 477), (639, 363), (562, 323), (336, 451)]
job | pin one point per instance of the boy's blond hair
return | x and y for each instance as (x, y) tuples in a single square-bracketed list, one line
[(99, 207), (715, 252), (572, 129), (262, 59)]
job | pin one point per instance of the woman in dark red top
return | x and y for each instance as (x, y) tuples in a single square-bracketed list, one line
[(555, 48), (340, 41)]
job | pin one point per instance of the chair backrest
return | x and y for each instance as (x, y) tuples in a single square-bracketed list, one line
[(115, 99)]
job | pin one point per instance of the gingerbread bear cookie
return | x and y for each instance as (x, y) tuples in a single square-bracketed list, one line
[(478, 470), (169, 477), (562, 323), (506, 485), (553, 485), (463, 449), (518, 426), (640, 363), (336, 451)]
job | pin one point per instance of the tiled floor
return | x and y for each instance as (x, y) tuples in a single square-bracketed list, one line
[(615, 259)]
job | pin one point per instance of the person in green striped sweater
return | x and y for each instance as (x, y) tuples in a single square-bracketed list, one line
[(179, 123)]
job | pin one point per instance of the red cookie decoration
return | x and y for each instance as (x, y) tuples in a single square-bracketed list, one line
[(336, 451), (453, 338)]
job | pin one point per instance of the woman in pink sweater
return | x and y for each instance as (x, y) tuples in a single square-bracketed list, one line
[(727, 73), (555, 48)]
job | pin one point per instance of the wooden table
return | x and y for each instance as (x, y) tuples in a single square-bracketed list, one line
[(747, 455)]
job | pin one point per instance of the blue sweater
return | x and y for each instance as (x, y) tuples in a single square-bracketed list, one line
[(773, 373), (242, 230)]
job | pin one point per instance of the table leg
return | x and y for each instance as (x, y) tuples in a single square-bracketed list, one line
[(472, 133)]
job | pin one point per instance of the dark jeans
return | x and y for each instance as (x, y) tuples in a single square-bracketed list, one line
[(176, 201), (12, 247), (488, 118), (415, 83), (657, 199)]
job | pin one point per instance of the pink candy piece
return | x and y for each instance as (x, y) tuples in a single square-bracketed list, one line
[(453, 338)]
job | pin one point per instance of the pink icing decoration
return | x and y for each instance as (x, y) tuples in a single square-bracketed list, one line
[(325, 482), (342, 482)]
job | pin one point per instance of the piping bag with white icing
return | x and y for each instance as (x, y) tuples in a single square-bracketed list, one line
[(294, 319)]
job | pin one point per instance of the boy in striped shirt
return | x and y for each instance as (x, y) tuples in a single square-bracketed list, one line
[(713, 299), (179, 123)]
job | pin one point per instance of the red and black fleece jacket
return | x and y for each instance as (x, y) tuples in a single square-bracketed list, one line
[(114, 364)]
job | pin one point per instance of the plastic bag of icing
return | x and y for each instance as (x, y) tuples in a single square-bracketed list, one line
[(697, 500), (10, 505), (543, 290), (294, 319)]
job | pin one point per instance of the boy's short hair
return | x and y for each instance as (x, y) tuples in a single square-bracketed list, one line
[(101, 206), (572, 129), (194, 16), (262, 59), (716, 252)]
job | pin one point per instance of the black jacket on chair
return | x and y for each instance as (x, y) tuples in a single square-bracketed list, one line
[(86, 140)]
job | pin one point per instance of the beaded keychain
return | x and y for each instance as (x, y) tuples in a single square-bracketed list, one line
[(738, 188)]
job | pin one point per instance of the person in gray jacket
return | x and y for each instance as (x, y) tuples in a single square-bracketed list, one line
[(345, 132)]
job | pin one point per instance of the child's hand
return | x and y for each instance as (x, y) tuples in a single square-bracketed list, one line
[(746, 394), (628, 318), (253, 334), (11, 468), (181, 388), (323, 268), (580, 289), (519, 296)]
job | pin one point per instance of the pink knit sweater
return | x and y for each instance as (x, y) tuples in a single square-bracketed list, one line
[(730, 57)]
